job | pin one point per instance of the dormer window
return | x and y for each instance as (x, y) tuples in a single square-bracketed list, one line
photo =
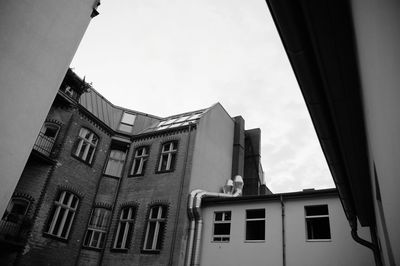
[(127, 122)]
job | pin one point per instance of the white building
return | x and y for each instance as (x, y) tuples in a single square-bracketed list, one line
[(292, 229)]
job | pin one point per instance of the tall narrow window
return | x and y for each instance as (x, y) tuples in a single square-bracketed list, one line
[(167, 157), (16, 210), (222, 226), (115, 163), (125, 228), (139, 161), (86, 145), (317, 222), (95, 235), (127, 122), (62, 215), (255, 225), (155, 228)]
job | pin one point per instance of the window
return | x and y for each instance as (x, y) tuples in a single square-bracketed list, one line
[(255, 225), (125, 228), (167, 157), (155, 228), (317, 222), (222, 226), (86, 145), (127, 122), (139, 161), (62, 215), (98, 223), (16, 210), (115, 163)]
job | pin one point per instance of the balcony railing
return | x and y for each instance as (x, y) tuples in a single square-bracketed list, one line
[(14, 232), (44, 144)]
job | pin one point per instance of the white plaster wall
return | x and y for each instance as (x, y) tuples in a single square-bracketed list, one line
[(377, 27), (342, 250), (212, 157), (37, 42)]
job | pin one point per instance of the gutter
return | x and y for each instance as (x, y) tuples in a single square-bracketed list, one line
[(232, 189), (283, 233)]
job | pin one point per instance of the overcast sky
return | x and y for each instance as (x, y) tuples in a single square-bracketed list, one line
[(166, 57)]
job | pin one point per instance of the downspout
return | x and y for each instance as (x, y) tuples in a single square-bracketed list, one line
[(192, 228), (283, 233), (194, 256), (371, 245)]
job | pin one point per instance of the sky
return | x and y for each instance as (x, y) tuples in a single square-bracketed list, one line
[(166, 57)]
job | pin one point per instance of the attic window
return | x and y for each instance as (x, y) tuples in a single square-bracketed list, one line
[(127, 122)]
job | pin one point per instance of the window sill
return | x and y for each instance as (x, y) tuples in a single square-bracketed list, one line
[(137, 175), (81, 160), (112, 176), (148, 251), (254, 241), (92, 248), (318, 240), (65, 240), (165, 171)]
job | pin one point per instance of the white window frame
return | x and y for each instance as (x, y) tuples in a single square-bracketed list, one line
[(167, 154), (94, 228), (139, 159), (307, 217), (115, 162), (249, 220), (159, 221), (90, 142), (222, 238), (128, 228), (57, 232)]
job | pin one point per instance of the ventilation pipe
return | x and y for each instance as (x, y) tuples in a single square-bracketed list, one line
[(231, 189)]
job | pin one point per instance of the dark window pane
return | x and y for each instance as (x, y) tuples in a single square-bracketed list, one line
[(222, 229), (59, 219), (253, 214), (66, 225), (255, 230), (318, 228), (317, 210), (227, 216), (150, 236), (87, 237), (218, 216), (160, 236)]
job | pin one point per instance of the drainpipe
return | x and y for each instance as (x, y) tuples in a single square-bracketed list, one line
[(192, 228), (373, 246), (193, 257), (283, 233)]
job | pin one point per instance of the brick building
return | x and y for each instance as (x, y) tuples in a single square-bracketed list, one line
[(108, 185)]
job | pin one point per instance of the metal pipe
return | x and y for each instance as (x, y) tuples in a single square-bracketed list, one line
[(283, 233), (367, 244), (192, 227), (238, 184)]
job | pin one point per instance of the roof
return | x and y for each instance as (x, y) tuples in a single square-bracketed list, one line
[(319, 41), (331, 192), (175, 121)]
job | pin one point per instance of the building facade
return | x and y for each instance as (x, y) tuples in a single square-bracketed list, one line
[(108, 185), (303, 228)]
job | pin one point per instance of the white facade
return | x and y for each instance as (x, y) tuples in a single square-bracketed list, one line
[(341, 249), (38, 41), (378, 41)]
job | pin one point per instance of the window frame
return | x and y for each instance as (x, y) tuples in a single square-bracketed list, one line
[(77, 146), (249, 220), (101, 230), (115, 160), (123, 123), (8, 215), (171, 157), (222, 238), (55, 212), (159, 221), (317, 217), (142, 160), (127, 234)]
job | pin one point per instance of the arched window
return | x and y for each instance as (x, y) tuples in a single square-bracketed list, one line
[(62, 215), (47, 137), (139, 161), (125, 228), (85, 145), (155, 230)]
